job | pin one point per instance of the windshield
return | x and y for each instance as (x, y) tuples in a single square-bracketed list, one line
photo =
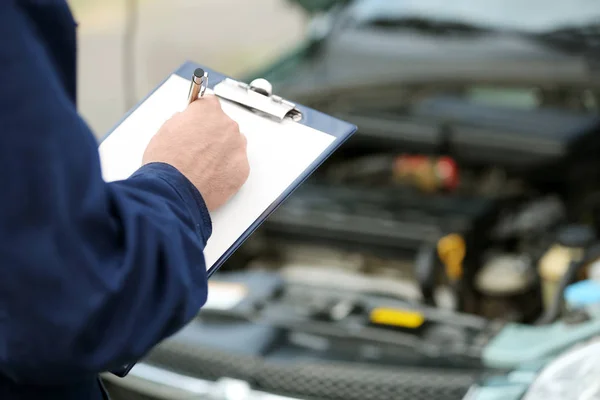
[(522, 15)]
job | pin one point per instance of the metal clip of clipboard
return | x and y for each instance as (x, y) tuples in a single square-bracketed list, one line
[(257, 96)]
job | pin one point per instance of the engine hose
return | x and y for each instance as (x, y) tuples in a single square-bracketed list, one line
[(425, 270)]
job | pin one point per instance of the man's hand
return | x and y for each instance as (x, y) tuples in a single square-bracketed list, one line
[(206, 146)]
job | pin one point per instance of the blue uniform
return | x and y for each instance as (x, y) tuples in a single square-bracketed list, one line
[(92, 275)]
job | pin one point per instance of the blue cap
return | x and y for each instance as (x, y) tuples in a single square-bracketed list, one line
[(583, 294)]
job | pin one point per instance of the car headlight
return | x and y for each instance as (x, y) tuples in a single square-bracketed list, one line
[(573, 375)]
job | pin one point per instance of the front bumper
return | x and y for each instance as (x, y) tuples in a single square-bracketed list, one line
[(145, 381)]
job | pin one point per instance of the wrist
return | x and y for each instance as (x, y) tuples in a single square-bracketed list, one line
[(186, 190)]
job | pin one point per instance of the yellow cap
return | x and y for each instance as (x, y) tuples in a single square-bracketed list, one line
[(396, 317), (451, 251)]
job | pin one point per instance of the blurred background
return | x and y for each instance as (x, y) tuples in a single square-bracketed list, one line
[(449, 250), (116, 36)]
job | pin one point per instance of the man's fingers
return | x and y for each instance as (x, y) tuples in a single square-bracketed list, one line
[(208, 100), (211, 99)]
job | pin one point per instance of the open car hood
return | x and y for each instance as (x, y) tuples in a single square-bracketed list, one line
[(576, 20), (533, 16)]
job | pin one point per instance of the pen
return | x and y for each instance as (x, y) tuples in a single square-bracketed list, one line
[(198, 85)]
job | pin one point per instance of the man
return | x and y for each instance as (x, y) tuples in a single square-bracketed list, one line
[(93, 275)]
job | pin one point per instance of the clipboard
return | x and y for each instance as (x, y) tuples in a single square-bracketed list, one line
[(120, 150)]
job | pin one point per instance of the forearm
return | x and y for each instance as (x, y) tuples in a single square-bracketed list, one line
[(104, 296)]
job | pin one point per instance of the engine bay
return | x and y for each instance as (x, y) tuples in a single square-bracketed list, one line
[(443, 228)]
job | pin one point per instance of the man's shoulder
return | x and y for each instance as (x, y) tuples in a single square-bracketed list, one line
[(54, 27)]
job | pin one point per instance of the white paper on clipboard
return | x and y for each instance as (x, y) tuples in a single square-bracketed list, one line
[(278, 152)]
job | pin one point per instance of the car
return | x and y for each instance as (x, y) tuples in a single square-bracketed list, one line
[(474, 119)]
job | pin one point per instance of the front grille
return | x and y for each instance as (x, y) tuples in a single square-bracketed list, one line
[(204, 362), (353, 382), (314, 381)]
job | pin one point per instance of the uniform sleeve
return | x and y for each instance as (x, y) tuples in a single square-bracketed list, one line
[(92, 275)]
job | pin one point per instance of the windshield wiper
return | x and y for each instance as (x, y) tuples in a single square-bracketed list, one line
[(427, 25)]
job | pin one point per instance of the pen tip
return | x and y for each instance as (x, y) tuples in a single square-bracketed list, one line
[(199, 73)]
